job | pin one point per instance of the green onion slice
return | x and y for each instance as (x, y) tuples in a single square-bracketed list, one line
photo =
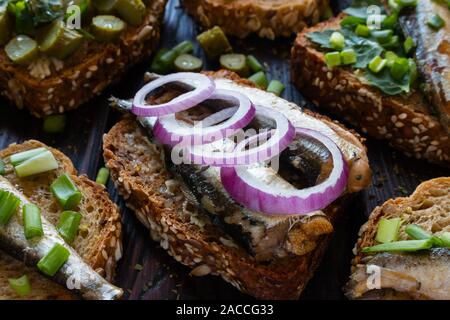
[(254, 64), (54, 123), (18, 158), (40, 163), (388, 230), (53, 260), (276, 87), (260, 79), (9, 203), (68, 225), (102, 176), (66, 192), (32, 221), (406, 245), (20, 285)]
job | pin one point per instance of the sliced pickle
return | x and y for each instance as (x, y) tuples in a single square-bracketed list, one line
[(105, 6), (132, 11), (59, 41), (107, 28), (5, 26), (22, 49)]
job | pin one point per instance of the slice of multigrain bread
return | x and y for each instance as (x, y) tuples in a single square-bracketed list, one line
[(82, 76), (99, 238), (267, 19), (403, 120), (428, 207), (139, 171)]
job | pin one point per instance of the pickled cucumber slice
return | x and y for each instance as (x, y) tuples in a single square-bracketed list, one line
[(107, 28), (5, 27), (105, 6), (235, 62), (59, 41), (188, 63), (214, 42), (22, 49), (132, 11)]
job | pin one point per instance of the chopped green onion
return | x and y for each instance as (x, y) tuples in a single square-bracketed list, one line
[(333, 59), (377, 64), (9, 203), (66, 192), (2, 167), (32, 221), (20, 285), (348, 56), (54, 123), (276, 87), (407, 3), (68, 225), (337, 40), (388, 230), (102, 176), (390, 21), (394, 5), (390, 56), (406, 245), (188, 63), (254, 64), (399, 68), (412, 71), (362, 30), (168, 58), (393, 43), (260, 79), (20, 157), (417, 233), (41, 163), (156, 65), (382, 36), (352, 21), (409, 44), (53, 260), (445, 238), (436, 22)]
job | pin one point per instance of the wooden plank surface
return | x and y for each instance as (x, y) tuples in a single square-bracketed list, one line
[(161, 277)]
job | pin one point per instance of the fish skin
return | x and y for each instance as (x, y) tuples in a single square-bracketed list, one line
[(12, 240), (432, 53), (423, 275)]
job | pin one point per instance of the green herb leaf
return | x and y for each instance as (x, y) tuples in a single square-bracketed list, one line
[(358, 8), (321, 37), (386, 83), (46, 11)]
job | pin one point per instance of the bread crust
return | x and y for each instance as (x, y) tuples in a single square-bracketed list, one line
[(101, 248), (140, 175), (74, 85), (267, 19), (403, 120)]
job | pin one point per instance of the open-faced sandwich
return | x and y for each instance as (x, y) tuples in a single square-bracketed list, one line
[(384, 69), (207, 193), (60, 234), (404, 248), (57, 54), (265, 18)]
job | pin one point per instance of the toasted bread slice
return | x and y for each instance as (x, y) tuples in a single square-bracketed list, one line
[(429, 208), (99, 238), (404, 120), (83, 75), (139, 172), (267, 19)]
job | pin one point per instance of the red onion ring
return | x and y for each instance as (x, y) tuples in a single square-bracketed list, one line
[(215, 155), (204, 88), (169, 131), (259, 196)]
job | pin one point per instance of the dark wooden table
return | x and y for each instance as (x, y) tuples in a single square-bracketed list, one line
[(161, 277)]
